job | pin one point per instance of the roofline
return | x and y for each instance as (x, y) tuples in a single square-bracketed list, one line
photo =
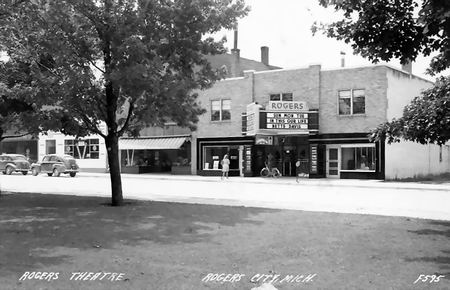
[(379, 65)]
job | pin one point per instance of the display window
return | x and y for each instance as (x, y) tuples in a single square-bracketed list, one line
[(358, 157), (50, 146), (82, 149), (212, 155)]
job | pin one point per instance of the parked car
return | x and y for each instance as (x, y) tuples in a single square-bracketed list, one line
[(53, 164), (10, 163)]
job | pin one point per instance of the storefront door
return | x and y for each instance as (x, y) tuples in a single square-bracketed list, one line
[(333, 161)]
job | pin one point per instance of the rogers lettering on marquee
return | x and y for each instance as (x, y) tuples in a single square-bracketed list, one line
[(287, 106)]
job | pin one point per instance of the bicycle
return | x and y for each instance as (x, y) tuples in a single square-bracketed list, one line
[(266, 172)]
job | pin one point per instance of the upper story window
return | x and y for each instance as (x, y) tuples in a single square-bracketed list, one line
[(220, 110), (285, 97), (352, 102)]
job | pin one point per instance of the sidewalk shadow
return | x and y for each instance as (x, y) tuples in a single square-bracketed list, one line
[(31, 225)]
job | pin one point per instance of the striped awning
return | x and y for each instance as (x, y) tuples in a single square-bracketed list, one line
[(152, 143)]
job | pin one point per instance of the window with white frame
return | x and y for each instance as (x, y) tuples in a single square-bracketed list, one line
[(285, 97), (50, 146), (220, 110), (352, 102), (213, 155), (82, 149), (358, 157)]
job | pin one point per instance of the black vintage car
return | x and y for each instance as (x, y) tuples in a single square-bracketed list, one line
[(10, 163), (55, 165)]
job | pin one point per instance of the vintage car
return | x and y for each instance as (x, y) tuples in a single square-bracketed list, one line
[(53, 164), (10, 163)]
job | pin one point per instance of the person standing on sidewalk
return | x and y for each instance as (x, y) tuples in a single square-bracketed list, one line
[(297, 170), (225, 166)]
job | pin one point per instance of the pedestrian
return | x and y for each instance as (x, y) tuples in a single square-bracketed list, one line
[(297, 169), (225, 166)]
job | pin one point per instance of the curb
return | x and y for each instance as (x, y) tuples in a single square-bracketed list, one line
[(284, 181)]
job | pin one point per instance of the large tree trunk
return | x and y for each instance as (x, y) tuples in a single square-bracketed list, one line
[(112, 146)]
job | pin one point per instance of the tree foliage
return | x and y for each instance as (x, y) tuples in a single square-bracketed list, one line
[(402, 29), (125, 63), (425, 119), (20, 110)]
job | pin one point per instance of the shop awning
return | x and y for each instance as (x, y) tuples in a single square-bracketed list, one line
[(152, 143)]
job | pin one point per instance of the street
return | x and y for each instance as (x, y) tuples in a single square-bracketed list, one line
[(416, 200)]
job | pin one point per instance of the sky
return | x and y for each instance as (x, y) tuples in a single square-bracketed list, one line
[(285, 27)]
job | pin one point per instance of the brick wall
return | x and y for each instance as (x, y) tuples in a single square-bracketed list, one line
[(372, 79), (302, 83), (239, 91)]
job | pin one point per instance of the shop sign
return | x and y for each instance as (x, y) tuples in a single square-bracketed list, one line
[(252, 118), (264, 140), (287, 106), (286, 120), (314, 159)]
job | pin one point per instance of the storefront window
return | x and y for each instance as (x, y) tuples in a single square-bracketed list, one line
[(82, 149), (358, 158), (212, 155), (50, 146)]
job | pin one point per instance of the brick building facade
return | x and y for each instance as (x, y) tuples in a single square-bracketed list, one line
[(259, 115)]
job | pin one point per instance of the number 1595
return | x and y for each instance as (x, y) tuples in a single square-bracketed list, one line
[(428, 278)]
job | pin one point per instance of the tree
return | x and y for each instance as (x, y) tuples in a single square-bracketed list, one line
[(403, 29), (19, 115), (125, 63)]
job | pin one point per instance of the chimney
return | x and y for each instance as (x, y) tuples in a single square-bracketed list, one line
[(342, 59), (236, 56), (265, 55), (235, 50), (407, 66)]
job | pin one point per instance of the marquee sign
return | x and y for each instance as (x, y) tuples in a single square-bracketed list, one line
[(292, 121), (287, 106), (278, 118)]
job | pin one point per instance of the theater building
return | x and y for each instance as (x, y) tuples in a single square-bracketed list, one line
[(320, 117)]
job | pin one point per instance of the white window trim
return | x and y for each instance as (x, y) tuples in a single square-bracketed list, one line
[(220, 110), (351, 102), (358, 145), (281, 97), (364, 145)]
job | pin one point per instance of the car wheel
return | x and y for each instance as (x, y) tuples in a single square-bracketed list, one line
[(49, 174), (35, 172), (24, 172), (56, 173), (9, 170), (72, 174)]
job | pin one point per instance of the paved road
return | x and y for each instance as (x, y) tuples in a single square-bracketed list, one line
[(346, 196)]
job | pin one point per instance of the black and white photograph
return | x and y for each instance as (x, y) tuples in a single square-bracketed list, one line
[(224, 144)]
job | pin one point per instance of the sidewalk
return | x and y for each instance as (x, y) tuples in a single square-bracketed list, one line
[(358, 183)]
